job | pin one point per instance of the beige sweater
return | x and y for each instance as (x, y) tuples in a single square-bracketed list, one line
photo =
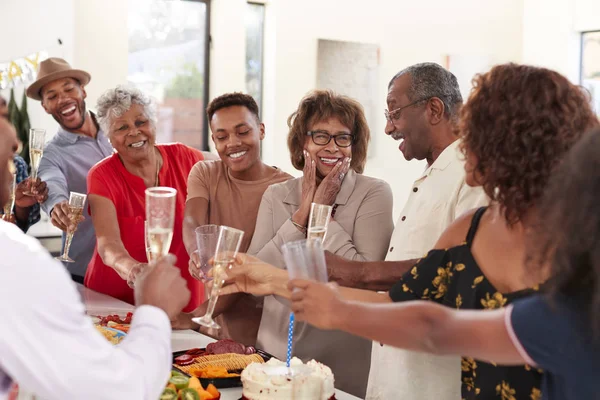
[(361, 230)]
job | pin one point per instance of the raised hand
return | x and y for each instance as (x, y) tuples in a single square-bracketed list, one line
[(60, 217), (162, 286), (194, 266), (250, 275), (39, 189), (319, 304), (309, 187), (134, 273), (330, 185), (9, 218)]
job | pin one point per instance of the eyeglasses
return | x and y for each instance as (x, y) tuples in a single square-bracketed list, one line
[(323, 138), (395, 114)]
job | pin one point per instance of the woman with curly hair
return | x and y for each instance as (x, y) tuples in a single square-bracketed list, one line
[(558, 331), (516, 127)]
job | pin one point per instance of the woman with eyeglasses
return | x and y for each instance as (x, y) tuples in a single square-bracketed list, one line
[(328, 140)]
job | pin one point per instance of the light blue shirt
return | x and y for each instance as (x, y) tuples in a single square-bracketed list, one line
[(64, 167)]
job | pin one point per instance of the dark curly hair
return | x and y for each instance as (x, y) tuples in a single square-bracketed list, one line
[(320, 105), (567, 237), (519, 121), (230, 100)]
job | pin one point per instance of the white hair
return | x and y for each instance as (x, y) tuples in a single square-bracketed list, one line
[(115, 102)]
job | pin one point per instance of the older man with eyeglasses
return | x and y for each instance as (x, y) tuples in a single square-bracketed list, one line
[(424, 100)]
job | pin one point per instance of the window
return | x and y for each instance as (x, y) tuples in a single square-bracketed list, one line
[(168, 59), (255, 31), (590, 65)]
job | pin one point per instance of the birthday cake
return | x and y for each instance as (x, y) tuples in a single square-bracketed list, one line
[(273, 380)]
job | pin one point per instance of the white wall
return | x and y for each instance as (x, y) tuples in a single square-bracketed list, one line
[(101, 44), (95, 37), (408, 32), (552, 33), (29, 26)]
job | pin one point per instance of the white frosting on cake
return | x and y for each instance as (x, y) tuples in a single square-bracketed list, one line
[(273, 380)]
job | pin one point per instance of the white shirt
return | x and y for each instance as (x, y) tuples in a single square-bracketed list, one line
[(437, 198), (51, 348)]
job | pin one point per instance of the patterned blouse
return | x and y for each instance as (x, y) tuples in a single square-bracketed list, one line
[(452, 277)]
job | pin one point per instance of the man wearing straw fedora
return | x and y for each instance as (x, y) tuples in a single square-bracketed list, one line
[(77, 146)]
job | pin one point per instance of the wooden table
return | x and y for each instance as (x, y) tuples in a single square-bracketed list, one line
[(101, 304)]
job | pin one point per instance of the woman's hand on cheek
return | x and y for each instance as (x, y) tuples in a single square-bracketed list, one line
[(329, 188)]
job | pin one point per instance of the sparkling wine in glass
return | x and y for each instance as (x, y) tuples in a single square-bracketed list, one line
[(160, 218), (228, 245), (318, 221), (76, 204), (10, 205), (37, 139), (206, 242)]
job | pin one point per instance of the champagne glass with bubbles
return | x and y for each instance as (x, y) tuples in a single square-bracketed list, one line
[(318, 221), (37, 139), (76, 203), (228, 244), (10, 205), (160, 218)]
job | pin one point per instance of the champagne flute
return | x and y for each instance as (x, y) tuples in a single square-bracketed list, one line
[(160, 218), (149, 254), (318, 221), (304, 259), (206, 241), (76, 203), (228, 245), (37, 139), (10, 205)]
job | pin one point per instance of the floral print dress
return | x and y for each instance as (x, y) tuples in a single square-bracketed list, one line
[(452, 277)]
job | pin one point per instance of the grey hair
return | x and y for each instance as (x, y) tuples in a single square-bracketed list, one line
[(115, 102), (433, 80)]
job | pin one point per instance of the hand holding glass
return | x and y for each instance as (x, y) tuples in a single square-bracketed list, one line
[(206, 241), (160, 218), (318, 221), (228, 245), (10, 205), (76, 203), (37, 140), (305, 259)]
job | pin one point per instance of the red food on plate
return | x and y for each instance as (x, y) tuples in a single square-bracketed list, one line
[(225, 346), (196, 352), (184, 359)]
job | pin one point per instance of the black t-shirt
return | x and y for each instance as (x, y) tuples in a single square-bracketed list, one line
[(555, 336)]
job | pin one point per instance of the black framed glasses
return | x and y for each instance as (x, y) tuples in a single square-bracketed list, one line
[(395, 114), (323, 138)]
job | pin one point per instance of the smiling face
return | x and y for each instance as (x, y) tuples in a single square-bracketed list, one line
[(64, 99), (237, 133), (132, 135), (330, 154), (409, 125)]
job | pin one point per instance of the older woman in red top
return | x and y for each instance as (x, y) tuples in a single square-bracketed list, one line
[(116, 194)]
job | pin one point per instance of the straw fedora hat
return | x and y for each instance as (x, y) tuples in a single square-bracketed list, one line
[(52, 69)]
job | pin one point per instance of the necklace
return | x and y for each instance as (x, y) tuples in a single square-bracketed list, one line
[(157, 170)]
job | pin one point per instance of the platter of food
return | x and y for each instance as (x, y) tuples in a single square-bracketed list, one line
[(219, 364), (112, 335), (182, 387), (115, 321)]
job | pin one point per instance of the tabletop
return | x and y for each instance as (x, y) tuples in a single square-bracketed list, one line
[(101, 304)]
